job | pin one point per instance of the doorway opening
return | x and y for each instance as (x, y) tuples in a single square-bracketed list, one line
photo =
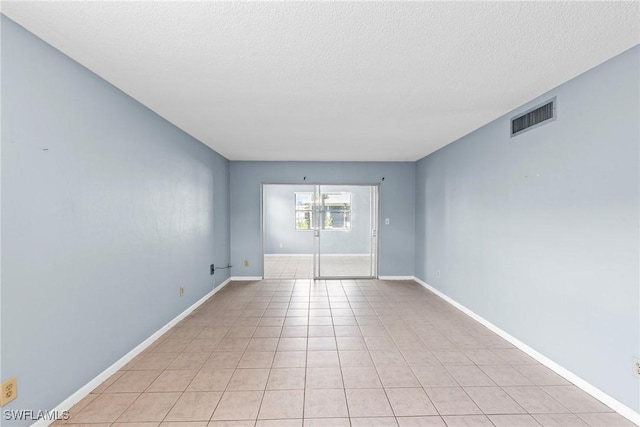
[(319, 231)]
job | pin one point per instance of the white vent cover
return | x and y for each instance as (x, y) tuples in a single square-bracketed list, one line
[(537, 116)]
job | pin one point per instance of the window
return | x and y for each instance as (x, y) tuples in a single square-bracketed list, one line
[(336, 212), (304, 210)]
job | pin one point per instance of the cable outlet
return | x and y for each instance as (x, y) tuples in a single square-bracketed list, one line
[(246, 263), (636, 366), (212, 270), (9, 390), (181, 290)]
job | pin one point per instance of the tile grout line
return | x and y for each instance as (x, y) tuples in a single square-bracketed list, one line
[(384, 390), (335, 339), (306, 360), (382, 295)]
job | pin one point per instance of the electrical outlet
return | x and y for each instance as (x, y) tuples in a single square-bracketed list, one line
[(9, 390), (438, 273), (181, 290), (246, 263), (212, 270), (636, 366)]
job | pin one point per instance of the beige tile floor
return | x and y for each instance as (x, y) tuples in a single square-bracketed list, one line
[(288, 266), (301, 266), (335, 353)]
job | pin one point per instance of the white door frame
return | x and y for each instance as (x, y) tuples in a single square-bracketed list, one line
[(375, 223)]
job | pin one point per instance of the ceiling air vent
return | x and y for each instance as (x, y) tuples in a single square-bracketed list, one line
[(537, 116)]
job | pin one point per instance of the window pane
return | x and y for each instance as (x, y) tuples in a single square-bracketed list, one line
[(337, 211), (337, 199), (336, 215), (303, 220), (304, 201), (340, 220)]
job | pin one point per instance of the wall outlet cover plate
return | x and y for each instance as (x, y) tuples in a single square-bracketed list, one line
[(9, 390)]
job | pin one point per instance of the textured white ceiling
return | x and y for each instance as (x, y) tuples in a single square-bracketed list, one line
[(331, 80)]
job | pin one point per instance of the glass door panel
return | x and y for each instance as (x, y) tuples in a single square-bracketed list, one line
[(345, 221), (287, 231)]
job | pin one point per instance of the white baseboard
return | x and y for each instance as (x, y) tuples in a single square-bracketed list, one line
[(611, 402), (293, 255), (311, 255), (91, 385), (344, 255), (248, 278), (245, 278)]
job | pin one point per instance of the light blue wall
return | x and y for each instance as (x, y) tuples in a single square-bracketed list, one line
[(397, 193), (539, 233), (106, 210), (279, 223)]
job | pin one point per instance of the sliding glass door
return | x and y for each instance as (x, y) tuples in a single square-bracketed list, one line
[(319, 231), (345, 231)]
